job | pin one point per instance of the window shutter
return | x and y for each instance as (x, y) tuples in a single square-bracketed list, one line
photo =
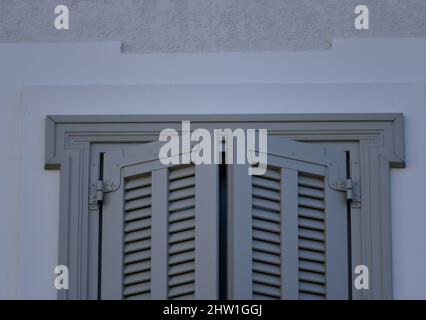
[(159, 228), (288, 226)]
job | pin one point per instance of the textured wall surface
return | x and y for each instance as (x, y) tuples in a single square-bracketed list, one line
[(98, 79), (146, 26)]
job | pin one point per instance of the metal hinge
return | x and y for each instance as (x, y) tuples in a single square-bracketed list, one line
[(96, 197), (98, 190), (349, 191), (351, 195)]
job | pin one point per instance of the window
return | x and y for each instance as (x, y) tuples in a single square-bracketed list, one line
[(297, 259)]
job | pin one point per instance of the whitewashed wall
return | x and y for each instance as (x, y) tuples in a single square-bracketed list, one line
[(95, 78)]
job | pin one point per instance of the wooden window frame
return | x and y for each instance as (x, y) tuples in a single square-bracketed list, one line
[(379, 137)]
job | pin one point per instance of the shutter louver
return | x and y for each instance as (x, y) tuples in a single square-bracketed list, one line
[(181, 232), (137, 238), (293, 245), (159, 227), (312, 247), (266, 220)]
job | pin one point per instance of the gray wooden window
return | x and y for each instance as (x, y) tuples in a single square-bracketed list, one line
[(289, 225), (160, 227), (288, 236), (374, 144)]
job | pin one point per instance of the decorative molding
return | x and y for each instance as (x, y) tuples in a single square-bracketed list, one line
[(380, 138)]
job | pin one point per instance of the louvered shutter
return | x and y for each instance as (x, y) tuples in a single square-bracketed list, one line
[(159, 228), (288, 226)]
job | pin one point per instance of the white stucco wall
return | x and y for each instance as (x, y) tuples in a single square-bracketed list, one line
[(95, 78), (154, 26)]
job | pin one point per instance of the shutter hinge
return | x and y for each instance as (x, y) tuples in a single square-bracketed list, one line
[(351, 194), (100, 193), (352, 191), (96, 197), (349, 191), (98, 190)]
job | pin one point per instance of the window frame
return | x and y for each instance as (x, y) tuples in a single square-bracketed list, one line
[(379, 136)]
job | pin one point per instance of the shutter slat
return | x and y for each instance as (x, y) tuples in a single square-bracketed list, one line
[(138, 182), (311, 192), (138, 193), (260, 256), (190, 296), (266, 279), (182, 215), (266, 268), (137, 238), (137, 256), (137, 204), (142, 296), (182, 194), (266, 234), (266, 194), (137, 235), (312, 249), (182, 257), (262, 297), (182, 204), (311, 266), (137, 214), (181, 233), (312, 224), (312, 245), (137, 267), (311, 203), (312, 288), (312, 277), (311, 234), (183, 172), (181, 247), (264, 204), (182, 279), (137, 289), (184, 225), (309, 296), (311, 213), (310, 181), (265, 290), (272, 174), (266, 215), (182, 183), (181, 236), (312, 256), (137, 246), (266, 247), (266, 225), (262, 182), (137, 278), (181, 268), (181, 290), (137, 225)]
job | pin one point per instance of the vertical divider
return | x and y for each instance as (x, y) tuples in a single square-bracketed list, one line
[(336, 247), (112, 240), (206, 231), (240, 233)]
